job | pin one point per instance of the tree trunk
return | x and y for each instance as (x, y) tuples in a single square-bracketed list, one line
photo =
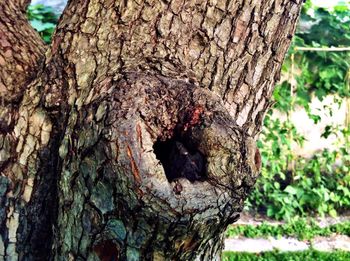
[(135, 138)]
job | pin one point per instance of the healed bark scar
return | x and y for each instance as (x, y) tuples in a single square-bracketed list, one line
[(134, 169), (139, 134)]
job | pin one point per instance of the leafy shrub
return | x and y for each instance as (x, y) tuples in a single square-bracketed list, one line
[(320, 185), (43, 19), (292, 186)]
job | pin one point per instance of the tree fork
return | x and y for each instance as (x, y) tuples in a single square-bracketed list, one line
[(136, 139)]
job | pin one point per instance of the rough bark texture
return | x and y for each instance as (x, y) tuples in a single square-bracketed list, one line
[(21, 51), (136, 139)]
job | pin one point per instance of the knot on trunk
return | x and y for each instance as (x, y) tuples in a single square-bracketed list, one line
[(159, 152), (180, 145)]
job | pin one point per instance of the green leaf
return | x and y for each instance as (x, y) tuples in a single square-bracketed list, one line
[(291, 190), (332, 213)]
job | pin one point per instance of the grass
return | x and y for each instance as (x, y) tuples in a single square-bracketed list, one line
[(301, 228), (310, 255)]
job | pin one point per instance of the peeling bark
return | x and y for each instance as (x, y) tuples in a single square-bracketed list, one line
[(136, 139)]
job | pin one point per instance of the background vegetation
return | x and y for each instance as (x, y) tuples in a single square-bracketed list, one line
[(43, 19), (292, 186)]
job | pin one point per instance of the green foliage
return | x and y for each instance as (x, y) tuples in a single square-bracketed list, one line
[(319, 73), (43, 19), (293, 186), (323, 72), (310, 255), (300, 228), (320, 185)]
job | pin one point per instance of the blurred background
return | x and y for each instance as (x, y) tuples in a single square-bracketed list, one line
[(300, 206)]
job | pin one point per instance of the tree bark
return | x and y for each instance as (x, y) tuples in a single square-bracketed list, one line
[(135, 140), (21, 51)]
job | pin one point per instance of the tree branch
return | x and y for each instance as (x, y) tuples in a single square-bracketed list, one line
[(21, 49)]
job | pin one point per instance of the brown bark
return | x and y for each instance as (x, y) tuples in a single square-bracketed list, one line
[(20, 50), (22, 4), (136, 140)]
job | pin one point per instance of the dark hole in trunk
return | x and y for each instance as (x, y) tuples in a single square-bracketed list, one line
[(180, 159)]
